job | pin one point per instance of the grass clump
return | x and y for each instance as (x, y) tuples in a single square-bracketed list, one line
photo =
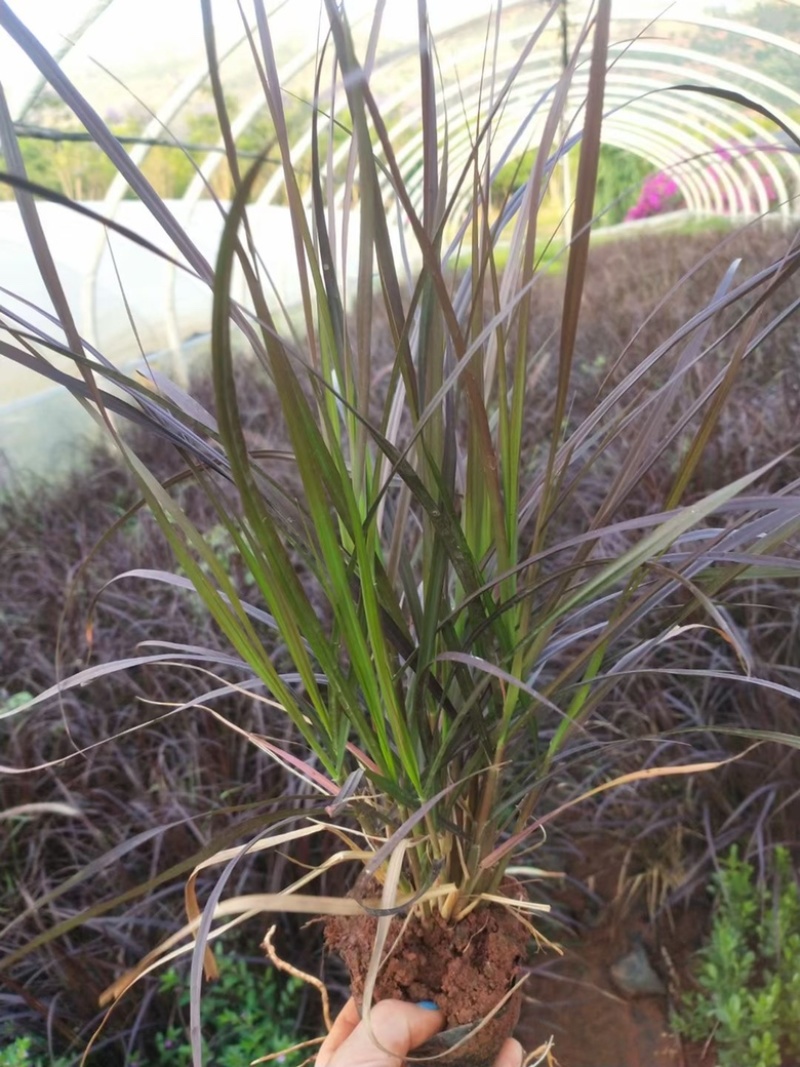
[(440, 597), (749, 972)]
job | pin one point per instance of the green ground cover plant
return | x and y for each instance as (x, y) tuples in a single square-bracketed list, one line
[(22, 1052), (248, 1014), (438, 608), (749, 972)]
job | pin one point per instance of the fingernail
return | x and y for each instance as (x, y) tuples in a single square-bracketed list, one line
[(428, 1005)]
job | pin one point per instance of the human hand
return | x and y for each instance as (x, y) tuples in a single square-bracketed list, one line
[(398, 1028)]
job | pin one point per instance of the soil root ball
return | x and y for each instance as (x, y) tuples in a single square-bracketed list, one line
[(465, 969)]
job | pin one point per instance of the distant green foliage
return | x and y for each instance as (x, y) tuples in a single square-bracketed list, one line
[(512, 176), (620, 176), (781, 17), (619, 179), (80, 170), (749, 972)]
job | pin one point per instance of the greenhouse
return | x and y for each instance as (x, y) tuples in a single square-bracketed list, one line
[(707, 154)]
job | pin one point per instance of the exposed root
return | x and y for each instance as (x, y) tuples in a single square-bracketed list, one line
[(295, 1048), (541, 1055), (309, 979)]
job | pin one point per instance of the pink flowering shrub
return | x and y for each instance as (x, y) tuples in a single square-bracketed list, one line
[(736, 205), (660, 192)]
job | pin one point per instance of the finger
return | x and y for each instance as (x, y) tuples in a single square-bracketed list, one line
[(344, 1024), (511, 1054), (397, 1028)]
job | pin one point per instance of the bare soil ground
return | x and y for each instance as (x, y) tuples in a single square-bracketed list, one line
[(577, 999)]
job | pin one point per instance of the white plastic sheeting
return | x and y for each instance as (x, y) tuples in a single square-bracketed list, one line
[(126, 299), (127, 302)]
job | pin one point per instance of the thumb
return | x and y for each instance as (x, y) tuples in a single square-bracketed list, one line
[(397, 1028), (421, 1022)]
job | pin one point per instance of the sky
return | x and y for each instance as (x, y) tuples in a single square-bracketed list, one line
[(127, 32)]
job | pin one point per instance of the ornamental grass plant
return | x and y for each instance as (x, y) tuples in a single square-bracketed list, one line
[(435, 608)]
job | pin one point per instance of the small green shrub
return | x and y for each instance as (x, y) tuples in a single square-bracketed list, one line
[(749, 972), (247, 1013), (25, 1052)]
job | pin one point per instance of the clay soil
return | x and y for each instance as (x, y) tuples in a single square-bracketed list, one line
[(465, 969), (593, 1022)]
